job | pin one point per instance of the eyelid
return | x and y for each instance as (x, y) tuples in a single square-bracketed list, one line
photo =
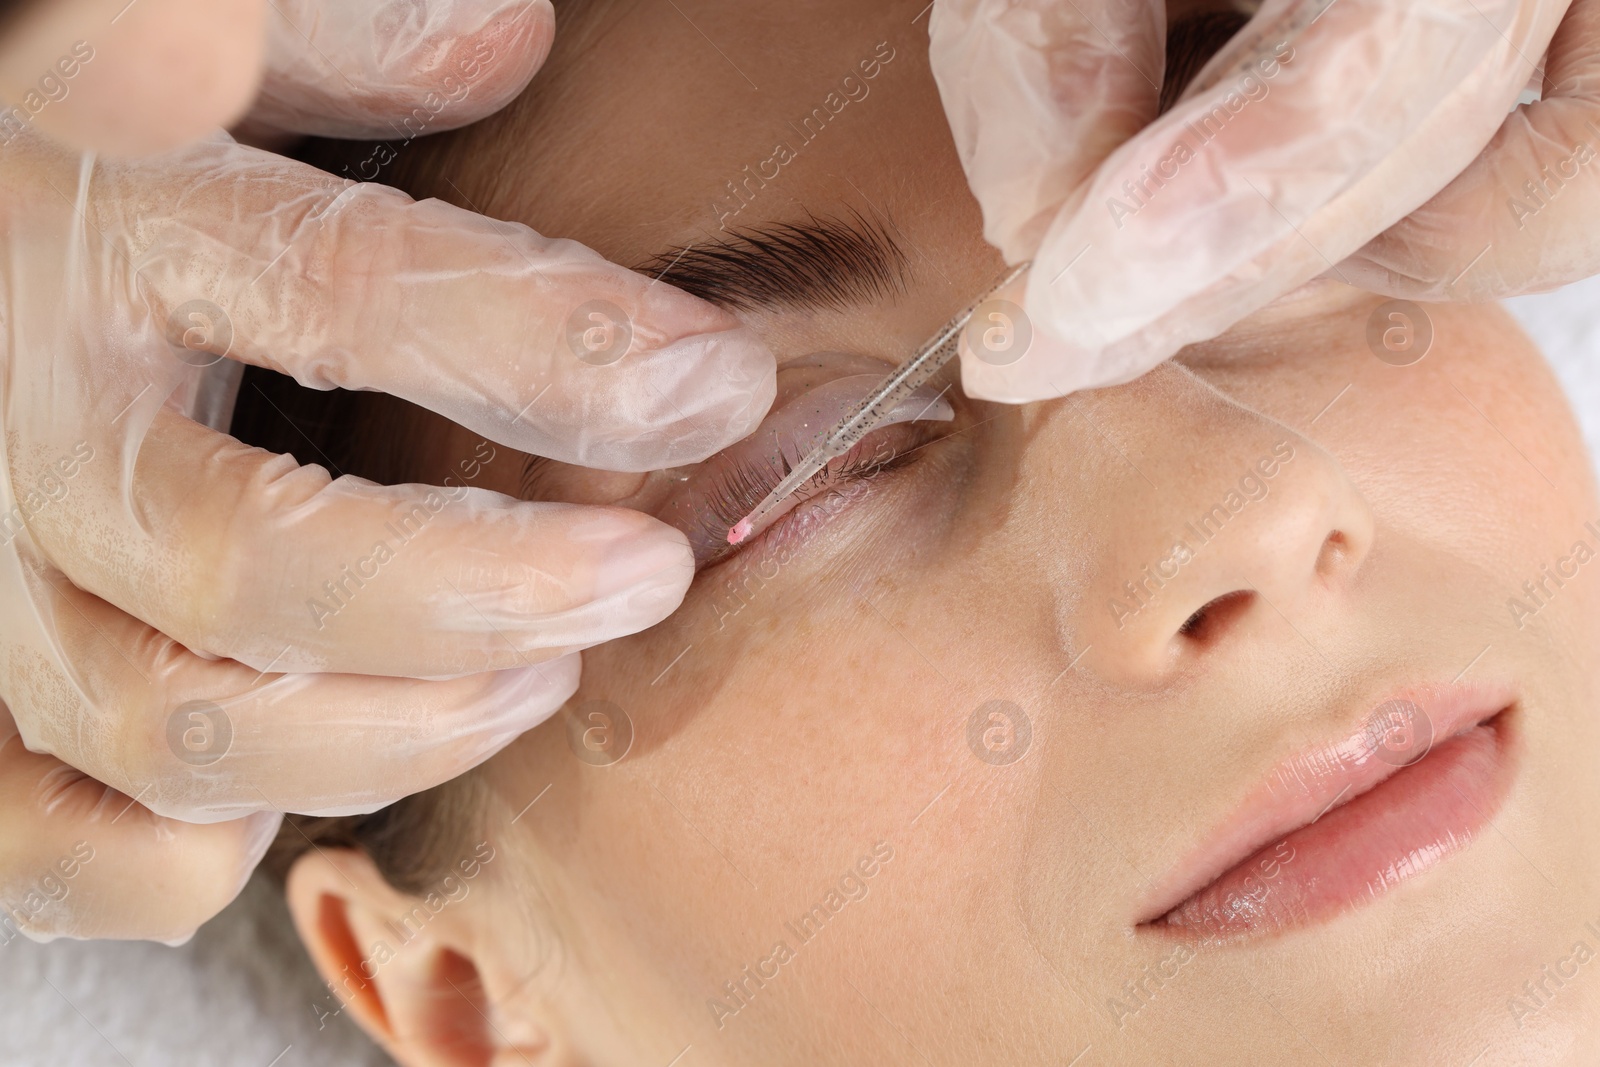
[(740, 487), (752, 467), (803, 421)]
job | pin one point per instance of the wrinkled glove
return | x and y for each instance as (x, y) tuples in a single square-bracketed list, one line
[(193, 629), (1520, 218), (1315, 129)]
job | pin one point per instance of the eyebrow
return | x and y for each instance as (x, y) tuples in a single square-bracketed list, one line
[(822, 263)]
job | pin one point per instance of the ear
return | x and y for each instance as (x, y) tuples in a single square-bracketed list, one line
[(405, 967)]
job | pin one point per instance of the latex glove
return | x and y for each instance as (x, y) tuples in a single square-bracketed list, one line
[(1520, 218), (157, 579), (361, 68), (79, 859), (1316, 128), (132, 79)]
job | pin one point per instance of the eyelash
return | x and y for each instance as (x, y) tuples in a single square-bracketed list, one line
[(744, 485)]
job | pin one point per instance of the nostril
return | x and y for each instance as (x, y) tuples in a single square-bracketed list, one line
[(1213, 617), (1336, 548)]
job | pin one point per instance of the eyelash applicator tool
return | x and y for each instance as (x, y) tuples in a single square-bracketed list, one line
[(868, 415)]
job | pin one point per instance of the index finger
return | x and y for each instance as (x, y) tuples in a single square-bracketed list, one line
[(538, 344)]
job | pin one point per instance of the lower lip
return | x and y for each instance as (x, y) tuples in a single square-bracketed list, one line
[(1356, 853)]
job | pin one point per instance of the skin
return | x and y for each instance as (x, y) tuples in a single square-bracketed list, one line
[(789, 719)]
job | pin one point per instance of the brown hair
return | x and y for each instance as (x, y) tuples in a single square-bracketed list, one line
[(415, 842)]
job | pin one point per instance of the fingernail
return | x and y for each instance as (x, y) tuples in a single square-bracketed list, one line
[(1050, 368), (644, 565), (727, 386), (523, 697), (260, 830)]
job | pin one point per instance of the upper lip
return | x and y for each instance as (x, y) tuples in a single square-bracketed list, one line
[(1301, 789)]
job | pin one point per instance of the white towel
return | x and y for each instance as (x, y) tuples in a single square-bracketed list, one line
[(240, 994)]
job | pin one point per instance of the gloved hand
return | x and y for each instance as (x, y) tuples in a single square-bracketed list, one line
[(1317, 127), (1519, 219), (131, 79), (213, 631)]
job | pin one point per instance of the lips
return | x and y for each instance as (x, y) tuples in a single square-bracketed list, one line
[(1344, 822)]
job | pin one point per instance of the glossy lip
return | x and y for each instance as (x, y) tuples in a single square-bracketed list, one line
[(1340, 808)]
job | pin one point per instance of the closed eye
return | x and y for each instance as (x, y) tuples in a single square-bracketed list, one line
[(726, 494)]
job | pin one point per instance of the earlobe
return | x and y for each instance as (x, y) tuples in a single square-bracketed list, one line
[(417, 993)]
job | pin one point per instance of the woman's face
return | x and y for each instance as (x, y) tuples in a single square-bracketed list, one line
[(915, 776)]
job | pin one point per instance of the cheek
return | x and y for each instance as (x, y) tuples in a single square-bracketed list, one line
[(829, 710), (1471, 452), (1473, 449), (763, 767)]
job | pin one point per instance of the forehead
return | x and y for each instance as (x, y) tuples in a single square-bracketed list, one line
[(655, 126)]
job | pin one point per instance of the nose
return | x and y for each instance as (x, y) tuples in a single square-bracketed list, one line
[(1224, 523)]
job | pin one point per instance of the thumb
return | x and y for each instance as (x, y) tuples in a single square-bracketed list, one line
[(1038, 93)]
